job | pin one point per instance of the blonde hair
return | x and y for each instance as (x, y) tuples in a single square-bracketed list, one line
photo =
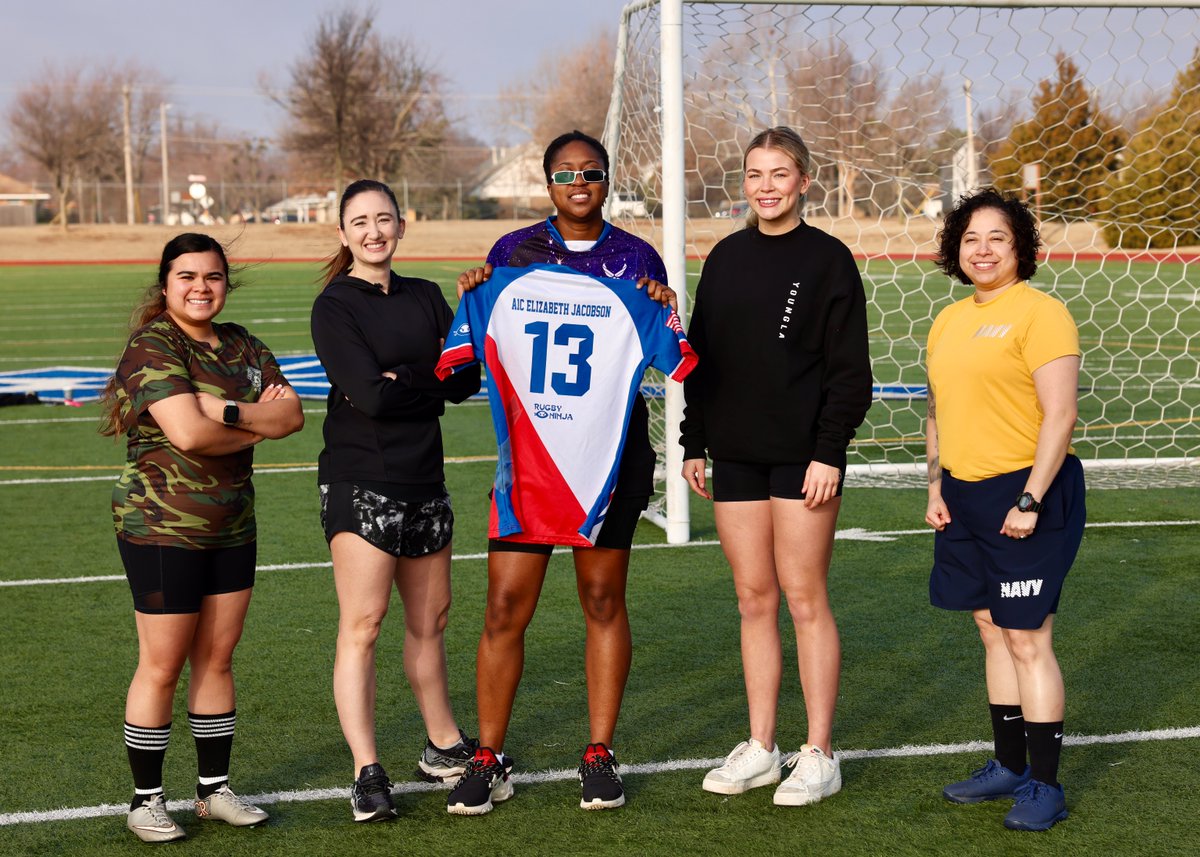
[(789, 142)]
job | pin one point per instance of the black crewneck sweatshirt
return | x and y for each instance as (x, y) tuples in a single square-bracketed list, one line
[(780, 326)]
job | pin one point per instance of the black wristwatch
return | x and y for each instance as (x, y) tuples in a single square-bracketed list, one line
[(1026, 503), (231, 414)]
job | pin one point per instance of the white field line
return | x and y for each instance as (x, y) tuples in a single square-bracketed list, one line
[(853, 534), (566, 774)]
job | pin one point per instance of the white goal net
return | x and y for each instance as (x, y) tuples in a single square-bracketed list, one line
[(1090, 110)]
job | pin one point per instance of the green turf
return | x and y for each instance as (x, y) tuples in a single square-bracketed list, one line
[(1126, 637)]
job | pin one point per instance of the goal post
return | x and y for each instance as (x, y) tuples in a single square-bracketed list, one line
[(1091, 110)]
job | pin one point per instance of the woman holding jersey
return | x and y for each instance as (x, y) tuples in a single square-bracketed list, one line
[(576, 236)]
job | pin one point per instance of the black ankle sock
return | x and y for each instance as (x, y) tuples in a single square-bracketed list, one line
[(1045, 747), (214, 744), (146, 747), (1008, 735)]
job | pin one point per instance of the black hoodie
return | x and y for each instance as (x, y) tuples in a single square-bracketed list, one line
[(378, 429)]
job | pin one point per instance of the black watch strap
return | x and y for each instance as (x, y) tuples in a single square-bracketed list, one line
[(1026, 503)]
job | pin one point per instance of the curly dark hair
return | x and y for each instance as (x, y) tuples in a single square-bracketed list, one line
[(1026, 239)]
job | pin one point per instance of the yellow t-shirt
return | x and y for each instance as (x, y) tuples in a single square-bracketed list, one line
[(981, 359)]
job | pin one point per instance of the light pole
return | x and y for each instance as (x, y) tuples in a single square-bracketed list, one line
[(166, 179)]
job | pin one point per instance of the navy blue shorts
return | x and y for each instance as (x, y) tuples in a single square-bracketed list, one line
[(1018, 580), (738, 481)]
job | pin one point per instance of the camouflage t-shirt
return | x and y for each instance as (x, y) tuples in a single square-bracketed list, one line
[(165, 496)]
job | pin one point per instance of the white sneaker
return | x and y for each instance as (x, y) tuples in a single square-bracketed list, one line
[(749, 766), (814, 776), (151, 822), (224, 805)]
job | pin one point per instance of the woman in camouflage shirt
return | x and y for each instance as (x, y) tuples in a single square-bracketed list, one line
[(192, 398)]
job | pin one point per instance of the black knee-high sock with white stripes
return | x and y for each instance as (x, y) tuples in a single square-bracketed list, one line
[(214, 743), (147, 747)]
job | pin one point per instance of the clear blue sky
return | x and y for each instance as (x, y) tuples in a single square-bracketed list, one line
[(214, 51)]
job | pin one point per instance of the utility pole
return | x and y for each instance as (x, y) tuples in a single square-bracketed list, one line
[(128, 157), (166, 176), (972, 164)]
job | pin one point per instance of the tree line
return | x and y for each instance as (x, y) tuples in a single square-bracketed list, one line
[(358, 103)]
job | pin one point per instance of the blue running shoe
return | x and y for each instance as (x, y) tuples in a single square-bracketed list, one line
[(991, 782), (1038, 807)]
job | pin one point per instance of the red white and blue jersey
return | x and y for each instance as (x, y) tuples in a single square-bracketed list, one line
[(565, 353)]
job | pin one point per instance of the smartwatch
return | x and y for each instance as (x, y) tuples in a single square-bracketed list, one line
[(1026, 503), (231, 414)]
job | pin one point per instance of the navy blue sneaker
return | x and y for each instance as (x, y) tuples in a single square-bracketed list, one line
[(1038, 807), (991, 782)]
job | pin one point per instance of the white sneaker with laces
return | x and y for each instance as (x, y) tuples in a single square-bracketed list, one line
[(224, 805), (749, 766), (814, 776), (151, 822)]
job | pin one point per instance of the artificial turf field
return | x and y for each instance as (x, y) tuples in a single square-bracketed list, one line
[(912, 698)]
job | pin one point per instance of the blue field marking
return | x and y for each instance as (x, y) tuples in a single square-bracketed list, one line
[(900, 391), (60, 384), (57, 384)]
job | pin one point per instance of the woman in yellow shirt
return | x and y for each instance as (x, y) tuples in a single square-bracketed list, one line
[(1006, 496)]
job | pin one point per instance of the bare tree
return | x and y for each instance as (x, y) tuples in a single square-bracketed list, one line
[(568, 90), (359, 104), (63, 122), (836, 106)]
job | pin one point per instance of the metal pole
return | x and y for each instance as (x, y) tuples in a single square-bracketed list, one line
[(166, 176), (674, 251), (126, 97), (972, 165)]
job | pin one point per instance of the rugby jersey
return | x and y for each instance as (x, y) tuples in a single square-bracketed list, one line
[(565, 353)]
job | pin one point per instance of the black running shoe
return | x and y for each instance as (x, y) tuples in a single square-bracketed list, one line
[(371, 795), (439, 766), (484, 782), (602, 788)]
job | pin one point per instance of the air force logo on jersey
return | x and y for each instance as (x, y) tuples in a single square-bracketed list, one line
[(463, 329)]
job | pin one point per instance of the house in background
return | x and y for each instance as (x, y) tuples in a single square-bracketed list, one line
[(513, 183), (309, 208), (18, 202)]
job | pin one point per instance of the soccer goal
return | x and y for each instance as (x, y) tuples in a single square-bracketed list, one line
[(1091, 110)]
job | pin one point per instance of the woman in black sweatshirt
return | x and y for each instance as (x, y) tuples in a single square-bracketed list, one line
[(784, 379), (384, 505)]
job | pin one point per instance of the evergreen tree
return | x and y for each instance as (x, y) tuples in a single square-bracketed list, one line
[(1154, 199), (1075, 145)]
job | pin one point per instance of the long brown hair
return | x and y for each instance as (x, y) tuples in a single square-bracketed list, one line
[(342, 258), (153, 303), (788, 141)]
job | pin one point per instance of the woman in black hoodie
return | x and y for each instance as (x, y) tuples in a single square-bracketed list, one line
[(384, 505)]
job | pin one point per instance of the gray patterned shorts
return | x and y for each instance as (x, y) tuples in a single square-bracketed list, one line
[(400, 528)]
